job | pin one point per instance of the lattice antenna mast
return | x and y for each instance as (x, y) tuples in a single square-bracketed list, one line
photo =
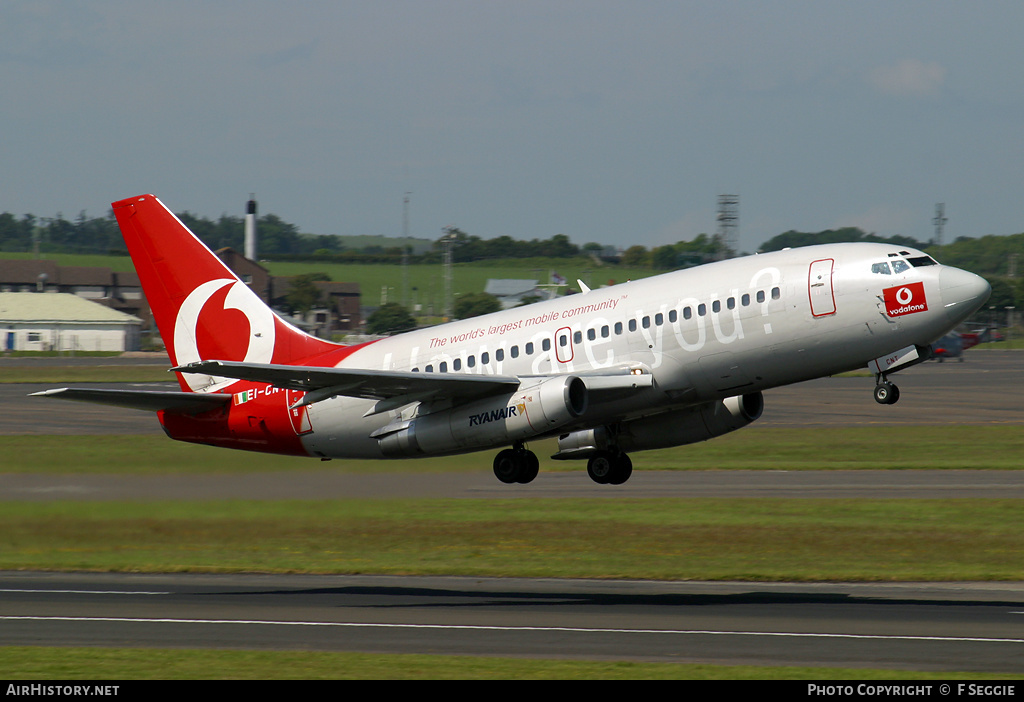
[(939, 221), (448, 243), (728, 232), (405, 250)]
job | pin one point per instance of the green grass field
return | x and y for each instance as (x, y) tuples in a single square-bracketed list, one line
[(660, 539), (124, 664), (426, 282), (754, 448)]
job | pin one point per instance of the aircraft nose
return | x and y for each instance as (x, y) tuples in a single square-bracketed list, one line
[(963, 293)]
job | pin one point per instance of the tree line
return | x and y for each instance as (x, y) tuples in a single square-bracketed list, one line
[(278, 240), (999, 256)]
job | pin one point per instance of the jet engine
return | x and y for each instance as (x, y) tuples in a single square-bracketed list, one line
[(537, 407), (687, 426)]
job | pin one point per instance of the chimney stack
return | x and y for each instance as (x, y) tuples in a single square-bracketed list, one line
[(250, 229)]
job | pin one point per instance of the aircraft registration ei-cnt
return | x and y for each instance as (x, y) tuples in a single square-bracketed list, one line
[(664, 361)]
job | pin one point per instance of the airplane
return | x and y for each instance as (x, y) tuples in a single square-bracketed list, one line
[(663, 361)]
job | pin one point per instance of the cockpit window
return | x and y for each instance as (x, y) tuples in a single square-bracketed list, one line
[(919, 261), (882, 268), (899, 266)]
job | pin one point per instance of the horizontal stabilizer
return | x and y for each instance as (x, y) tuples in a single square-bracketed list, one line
[(150, 400), (352, 382)]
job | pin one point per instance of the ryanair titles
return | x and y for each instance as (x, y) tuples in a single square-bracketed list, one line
[(495, 415)]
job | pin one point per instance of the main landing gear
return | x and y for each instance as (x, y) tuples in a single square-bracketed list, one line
[(519, 465), (608, 468), (516, 465), (885, 392)]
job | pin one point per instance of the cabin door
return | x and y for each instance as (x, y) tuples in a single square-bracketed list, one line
[(819, 288)]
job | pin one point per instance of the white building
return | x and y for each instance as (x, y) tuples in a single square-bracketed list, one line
[(511, 291), (63, 322)]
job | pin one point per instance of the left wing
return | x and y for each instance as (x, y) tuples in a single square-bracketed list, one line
[(321, 383), (152, 401)]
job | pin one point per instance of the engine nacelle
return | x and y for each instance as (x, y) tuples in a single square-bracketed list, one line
[(688, 426), (537, 407)]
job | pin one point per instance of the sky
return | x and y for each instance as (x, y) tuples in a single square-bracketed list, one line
[(613, 122)]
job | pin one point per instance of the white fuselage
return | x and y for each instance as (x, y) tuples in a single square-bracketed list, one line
[(706, 333)]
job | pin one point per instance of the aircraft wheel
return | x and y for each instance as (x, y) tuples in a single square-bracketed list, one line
[(607, 468), (507, 466), (886, 394), (601, 467), (529, 466), (623, 469), (894, 395)]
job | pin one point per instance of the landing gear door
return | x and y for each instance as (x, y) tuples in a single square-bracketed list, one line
[(819, 288)]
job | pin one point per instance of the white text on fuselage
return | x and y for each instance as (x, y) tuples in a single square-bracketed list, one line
[(559, 342)]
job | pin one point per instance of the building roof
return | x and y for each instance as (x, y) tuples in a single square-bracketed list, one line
[(509, 287), (58, 307), (26, 272)]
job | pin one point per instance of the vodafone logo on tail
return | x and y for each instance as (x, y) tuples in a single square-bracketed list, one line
[(905, 299), (258, 337)]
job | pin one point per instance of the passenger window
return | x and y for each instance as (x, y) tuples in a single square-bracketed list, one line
[(457, 364), (471, 362), (776, 293), (515, 351), (618, 328), (529, 349), (499, 355), (443, 367), (673, 316), (577, 337), (716, 306), (880, 268), (591, 334), (687, 313), (604, 331), (745, 300), (760, 295), (702, 309), (731, 303), (659, 319), (647, 322), (632, 325), (429, 369), (545, 344)]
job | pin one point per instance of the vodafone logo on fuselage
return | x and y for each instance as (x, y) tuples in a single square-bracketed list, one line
[(905, 299)]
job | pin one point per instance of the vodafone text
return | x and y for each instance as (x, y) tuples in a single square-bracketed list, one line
[(905, 299)]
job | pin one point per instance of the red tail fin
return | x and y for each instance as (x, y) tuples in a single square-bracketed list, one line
[(204, 312)]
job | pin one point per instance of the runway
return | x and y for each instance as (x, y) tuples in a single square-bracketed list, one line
[(937, 627), (906, 626), (988, 388)]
